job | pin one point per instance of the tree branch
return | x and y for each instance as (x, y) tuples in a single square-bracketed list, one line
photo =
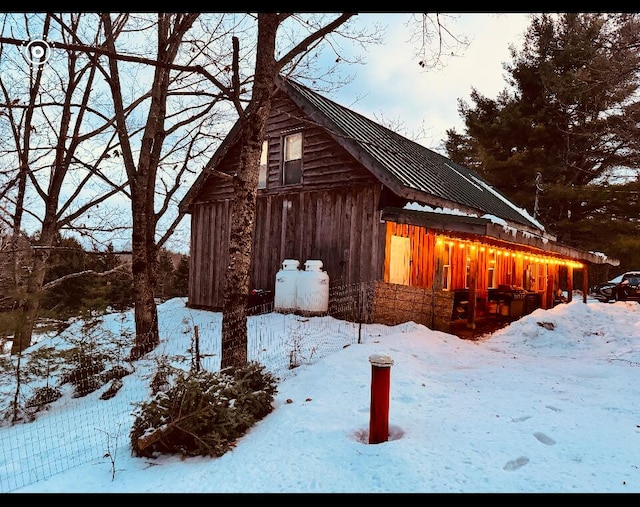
[(70, 276)]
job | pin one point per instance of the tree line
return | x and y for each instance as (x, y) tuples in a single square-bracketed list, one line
[(86, 283)]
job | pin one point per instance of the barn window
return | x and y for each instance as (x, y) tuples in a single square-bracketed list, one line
[(446, 268), (491, 269), (264, 168), (292, 160), (541, 279), (467, 256)]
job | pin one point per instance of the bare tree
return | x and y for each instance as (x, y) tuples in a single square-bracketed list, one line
[(141, 174), (433, 40), (253, 120), (156, 131), (49, 112), (162, 134)]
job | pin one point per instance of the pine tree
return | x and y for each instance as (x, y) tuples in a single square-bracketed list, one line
[(165, 274), (181, 278), (67, 257), (118, 287), (571, 113)]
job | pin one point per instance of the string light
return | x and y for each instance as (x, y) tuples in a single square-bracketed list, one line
[(519, 254)]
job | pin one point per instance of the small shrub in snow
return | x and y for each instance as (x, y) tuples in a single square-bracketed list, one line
[(203, 413), (112, 390), (42, 397)]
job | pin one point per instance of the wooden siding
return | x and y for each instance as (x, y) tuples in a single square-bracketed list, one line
[(209, 252), (422, 252), (341, 228), (333, 215)]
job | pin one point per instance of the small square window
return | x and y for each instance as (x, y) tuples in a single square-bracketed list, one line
[(292, 160)]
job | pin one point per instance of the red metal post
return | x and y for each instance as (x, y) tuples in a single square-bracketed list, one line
[(380, 383)]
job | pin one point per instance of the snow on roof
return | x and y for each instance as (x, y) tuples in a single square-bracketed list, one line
[(454, 211), (522, 211)]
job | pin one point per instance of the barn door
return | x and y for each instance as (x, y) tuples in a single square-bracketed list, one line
[(399, 256)]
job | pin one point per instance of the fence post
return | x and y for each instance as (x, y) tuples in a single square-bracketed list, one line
[(380, 384), (197, 346)]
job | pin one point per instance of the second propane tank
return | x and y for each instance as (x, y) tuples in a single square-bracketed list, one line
[(312, 289)]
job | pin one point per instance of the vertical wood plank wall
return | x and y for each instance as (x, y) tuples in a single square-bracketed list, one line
[(332, 215), (426, 255), (341, 228)]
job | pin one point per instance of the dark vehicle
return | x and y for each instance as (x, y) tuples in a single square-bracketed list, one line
[(629, 288), (624, 287), (603, 291)]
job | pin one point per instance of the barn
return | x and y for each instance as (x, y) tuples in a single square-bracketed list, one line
[(427, 239)]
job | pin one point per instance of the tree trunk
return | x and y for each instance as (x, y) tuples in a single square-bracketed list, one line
[(234, 315), (143, 270), (245, 184), (143, 245), (142, 179), (28, 311)]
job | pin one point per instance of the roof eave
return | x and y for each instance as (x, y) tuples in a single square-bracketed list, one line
[(511, 233), (186, 204)]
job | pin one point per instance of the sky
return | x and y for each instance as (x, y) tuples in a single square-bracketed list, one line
[(547, 404), (393, 86)]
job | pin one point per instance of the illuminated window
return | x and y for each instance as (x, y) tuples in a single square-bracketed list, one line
[(292, 160), (491, 269), (467, 256), (400, 260), (446, 268), (541, 279), (264, 167)]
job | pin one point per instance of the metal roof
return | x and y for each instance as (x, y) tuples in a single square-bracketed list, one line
[(411, 165)]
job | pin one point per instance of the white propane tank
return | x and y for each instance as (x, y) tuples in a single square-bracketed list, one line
[(313, 289), (284, 298)]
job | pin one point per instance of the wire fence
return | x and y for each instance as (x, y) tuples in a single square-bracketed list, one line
[(70, 399)]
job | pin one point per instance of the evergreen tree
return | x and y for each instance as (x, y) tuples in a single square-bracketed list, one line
[(165, 274), (109, 259), (181, 278), (67, 257), (88, 293), (119, 285), (571, 113)]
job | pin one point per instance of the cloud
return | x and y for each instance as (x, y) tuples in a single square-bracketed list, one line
[(392, 84)]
